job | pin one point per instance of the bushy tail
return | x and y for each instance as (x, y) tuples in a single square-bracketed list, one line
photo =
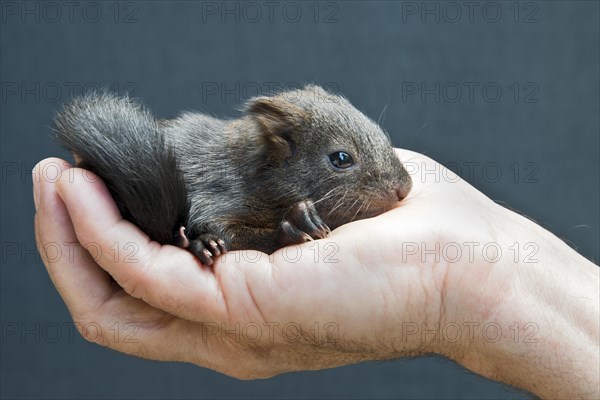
[(120, 141)]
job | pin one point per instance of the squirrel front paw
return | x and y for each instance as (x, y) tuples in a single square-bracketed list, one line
[(301, 223), (205, 246)]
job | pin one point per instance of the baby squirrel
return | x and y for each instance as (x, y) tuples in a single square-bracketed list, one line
[(294, 166)]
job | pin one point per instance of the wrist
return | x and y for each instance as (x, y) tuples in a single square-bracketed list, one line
[(547, 318)]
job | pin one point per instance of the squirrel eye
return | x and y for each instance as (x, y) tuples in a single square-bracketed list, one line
[(341, 159)]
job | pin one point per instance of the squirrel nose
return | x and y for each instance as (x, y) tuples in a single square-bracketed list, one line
[(403, 190)]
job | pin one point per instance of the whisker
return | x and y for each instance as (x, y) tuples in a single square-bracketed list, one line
[(383, 112), (326, 195), (353, 204), (357, 211), (338, 203)]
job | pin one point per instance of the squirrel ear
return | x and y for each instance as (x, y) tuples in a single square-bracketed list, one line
[(278, 120), (275, 115)]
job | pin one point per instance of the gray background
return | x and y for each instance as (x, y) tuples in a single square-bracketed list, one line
[(173, 55)]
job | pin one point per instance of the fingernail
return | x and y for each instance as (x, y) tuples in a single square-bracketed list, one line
[(36, 188)]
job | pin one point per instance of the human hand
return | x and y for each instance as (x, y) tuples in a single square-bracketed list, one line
[(353, 296)]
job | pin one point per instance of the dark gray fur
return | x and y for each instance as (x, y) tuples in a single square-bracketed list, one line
[(245, 181)]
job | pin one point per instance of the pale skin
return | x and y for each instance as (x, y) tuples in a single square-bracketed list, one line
[(386, 287)]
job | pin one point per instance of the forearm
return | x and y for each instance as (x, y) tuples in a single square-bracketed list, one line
[(552, 313)]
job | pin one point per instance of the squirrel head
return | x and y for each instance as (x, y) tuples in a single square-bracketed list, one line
[(315, 145)]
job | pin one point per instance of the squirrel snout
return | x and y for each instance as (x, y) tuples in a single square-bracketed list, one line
[(403, 190)]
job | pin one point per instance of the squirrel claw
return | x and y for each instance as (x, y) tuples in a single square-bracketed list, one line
[(301, 223), (181, 238), (205, 247)]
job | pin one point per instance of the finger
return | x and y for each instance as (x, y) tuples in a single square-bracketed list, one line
[(102, 312), (165, 277), (80, 282), (131, 326), (407, 155)]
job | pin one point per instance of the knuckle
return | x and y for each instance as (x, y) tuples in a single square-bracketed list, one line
[(248, 374), (140, 281), (135, 287), (90, 330)]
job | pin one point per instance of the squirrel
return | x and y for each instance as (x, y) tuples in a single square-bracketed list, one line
[(293, 167)]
